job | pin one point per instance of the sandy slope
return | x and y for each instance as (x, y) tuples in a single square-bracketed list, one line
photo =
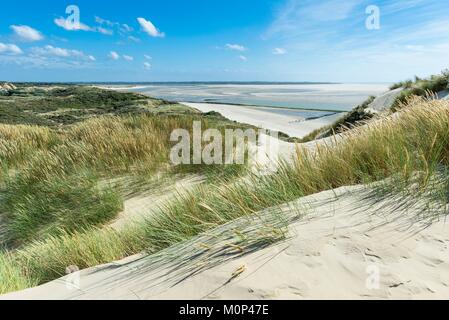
[(384, 101), (144, 204), (291, 125), (331, 253)]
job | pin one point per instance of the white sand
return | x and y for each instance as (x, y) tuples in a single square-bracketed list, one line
[(385, 101), (145, 204), (334, 252), (119, 87), (291, 125)]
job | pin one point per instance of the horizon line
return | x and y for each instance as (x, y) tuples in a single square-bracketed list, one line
[(190, 82)]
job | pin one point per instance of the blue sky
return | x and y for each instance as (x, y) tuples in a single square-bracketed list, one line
[(245, 40)]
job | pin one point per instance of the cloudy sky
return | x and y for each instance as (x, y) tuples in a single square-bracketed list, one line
[(233, 40)]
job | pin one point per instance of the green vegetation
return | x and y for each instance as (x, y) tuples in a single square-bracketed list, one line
[(421, 87), (46, 260), (357, 116), (52, 176), (61, 106), (69, 155), (12, 277), (403, 84), (54, 205), (435, 83)]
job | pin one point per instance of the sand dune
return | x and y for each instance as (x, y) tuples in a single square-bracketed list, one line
[(349, 245)]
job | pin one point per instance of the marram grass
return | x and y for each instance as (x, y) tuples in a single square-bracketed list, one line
[(50, 178), (60, 203), (12, 276)]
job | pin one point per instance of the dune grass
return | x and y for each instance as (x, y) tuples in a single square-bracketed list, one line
[(54, 205), (416, 87), (66, 157), (434, 83), (51, 177), (421, 87), (46, 260), (19, 142), (411, 147), (12, 277), (406, 149)]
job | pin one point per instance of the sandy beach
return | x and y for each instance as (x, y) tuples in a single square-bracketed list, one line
[(294, 126)]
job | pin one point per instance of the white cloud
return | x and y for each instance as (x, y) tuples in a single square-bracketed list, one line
[(114, 55), (104, 21), (236, 47), (149, 28), (54, 51), (279, 51), (122, 28), (104, 31), (148, 57), (128, 58), (147, 65), (65, 24), (43, 62), (27, 33), (126, 28), (60, 52), (243, 58), (134, 39), (10, 48)]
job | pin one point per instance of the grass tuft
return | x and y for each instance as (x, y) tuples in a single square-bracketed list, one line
[(12, 277)]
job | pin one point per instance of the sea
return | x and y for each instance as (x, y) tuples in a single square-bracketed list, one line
[(308, 100)]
